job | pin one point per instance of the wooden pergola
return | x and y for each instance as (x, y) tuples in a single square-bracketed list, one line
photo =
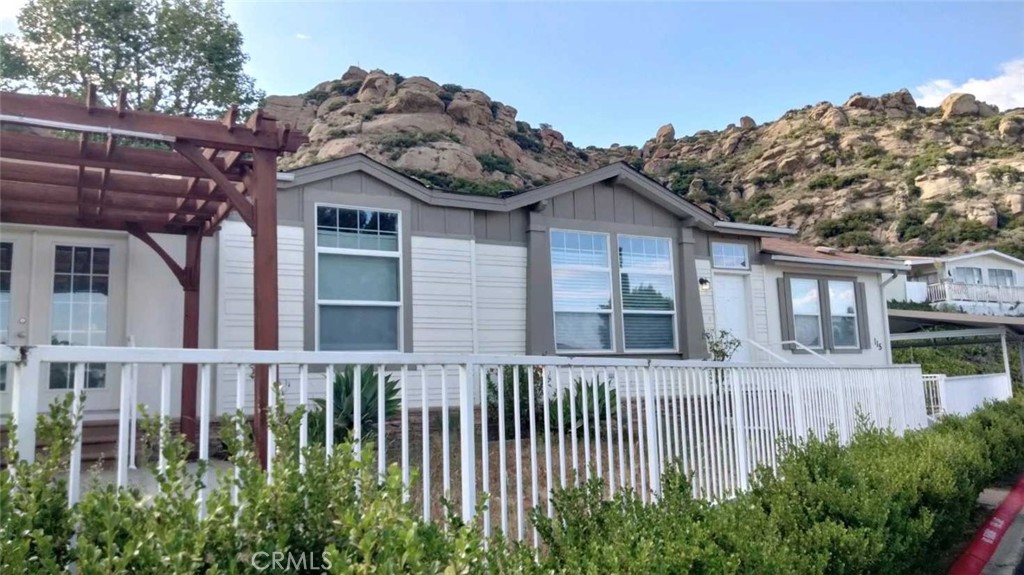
[(83, 165)]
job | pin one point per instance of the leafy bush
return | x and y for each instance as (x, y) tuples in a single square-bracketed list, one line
[(456, 184), (855, 221), (803, 209), (401, 141), (527, 141), (1007, 174), (494, 163), (374, 111), (507, 383), (451, 88), (344, 404), (573, 401)]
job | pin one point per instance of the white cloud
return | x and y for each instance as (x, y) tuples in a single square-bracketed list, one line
[(9, 15), (1005, 90), (303, 36)]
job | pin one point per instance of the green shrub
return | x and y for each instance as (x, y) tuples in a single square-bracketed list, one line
[(822, 182), (803, 209), (906, 133), (346, 88), (910, 226), (335, 133), (336, 105), (374, 111), (451, 88), (528, 141), (344, 404), (856, 239), (402, 141), (855, 221), (1007, 174), (494, 163), (452, 183), (872, 151)]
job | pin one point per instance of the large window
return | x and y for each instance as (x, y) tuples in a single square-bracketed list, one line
[(824, 313), (648, 293), (1000, 277), (581, 285), (729, 256), (967, 275), (359, 294), (78, 314)]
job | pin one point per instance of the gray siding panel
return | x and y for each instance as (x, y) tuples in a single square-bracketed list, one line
[(583, 200), (604, 202), (563, 206)]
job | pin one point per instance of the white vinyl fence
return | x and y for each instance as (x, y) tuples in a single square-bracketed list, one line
[(565, 419)]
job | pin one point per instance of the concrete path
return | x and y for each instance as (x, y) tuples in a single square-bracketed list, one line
[(1009, 556)]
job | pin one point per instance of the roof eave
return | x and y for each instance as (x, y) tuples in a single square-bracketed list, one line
[(846, 264)]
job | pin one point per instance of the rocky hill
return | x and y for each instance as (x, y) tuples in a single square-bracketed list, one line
[(874, 175)]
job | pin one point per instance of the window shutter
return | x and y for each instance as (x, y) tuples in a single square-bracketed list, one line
[(862, 316), (786, 313)]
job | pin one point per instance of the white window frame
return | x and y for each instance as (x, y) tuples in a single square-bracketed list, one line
[(714, 259), (397, 254), (675, 303), (992, 280), (5, 371), (856, 318), (612, 327), (979, 275), (74, 245)]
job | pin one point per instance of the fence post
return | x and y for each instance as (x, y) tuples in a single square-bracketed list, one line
[(740, 427), (940, 383), (467, 432), (25, 403), (845, 433), (799, 419), (653, 447)]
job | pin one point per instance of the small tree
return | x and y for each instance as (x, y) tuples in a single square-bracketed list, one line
[(721, 344)]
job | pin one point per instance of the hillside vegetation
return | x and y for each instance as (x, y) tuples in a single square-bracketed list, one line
[(873, 175)]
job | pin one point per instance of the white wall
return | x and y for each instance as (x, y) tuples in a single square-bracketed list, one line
[(759, 306), (235, 304), (986, 262), (442, 295), (501, 298)]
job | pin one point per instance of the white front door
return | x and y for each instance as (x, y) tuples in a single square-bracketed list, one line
[(64, 287), (731, 310)]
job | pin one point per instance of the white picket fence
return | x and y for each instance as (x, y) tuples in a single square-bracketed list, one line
[(569, 419)]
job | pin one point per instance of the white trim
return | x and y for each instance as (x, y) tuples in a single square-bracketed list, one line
[(396, 254), (765, 230), (110, 131), (989, 252), (746, 257), (839, 263), (855, 316)]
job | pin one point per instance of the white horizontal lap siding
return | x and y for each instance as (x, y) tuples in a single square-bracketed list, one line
[(760, 307), (235, 317), (442, 305), (707, 300), (501, 298)]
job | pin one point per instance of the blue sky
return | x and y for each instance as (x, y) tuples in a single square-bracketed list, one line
[(614, 72)]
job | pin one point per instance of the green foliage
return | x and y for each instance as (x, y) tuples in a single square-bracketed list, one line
[(927, 159), (744, 211), (335, 133), (768, 178), (856, 239), (855, 221), (910, 226), (451, 88), (505, 383), (15, 69), (455, 184), (1007, 174), (721, 344), (803, 209), (528, 141), (336, 105), (871, 151), (906, 133), (344, 404), (398, 143), (182, 58), (374, 111), (494, 163)]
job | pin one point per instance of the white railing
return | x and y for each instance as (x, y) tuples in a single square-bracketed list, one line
[(934, 394), (951, 291), (623, 420)]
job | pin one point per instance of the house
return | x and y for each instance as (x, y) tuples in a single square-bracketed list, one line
[(988, 282), (606, 263)]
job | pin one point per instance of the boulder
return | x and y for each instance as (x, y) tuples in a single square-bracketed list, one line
[(834, 119), (466, 112), (1011, 127), (790, 165), (506, 116), (747, 123), (861, 101), (932, 219), (421, 84), (957, 104), (983, 212), (934, 186), (444, 157), (1015, 202), (293, 110), (666, 133), (959, 153), (898, 104), (376, 88), (552, 139), (353, 73), (415, 101), (987, 110)]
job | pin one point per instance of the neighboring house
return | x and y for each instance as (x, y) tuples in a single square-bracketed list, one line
[(988, 282), (605, 263)]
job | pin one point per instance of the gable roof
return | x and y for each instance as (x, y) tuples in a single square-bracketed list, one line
[(989, 252), (620, 172), (794, 252)]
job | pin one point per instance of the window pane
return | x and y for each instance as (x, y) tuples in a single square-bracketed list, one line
[(1000, 277), (841, 298), (647, 292), (730, 256), (805, 296), (808, 330), (967, 275), (579, 248), (844, 331), (582, 331), (646, 331), (326, 217), (357, 229), (645, 254), (581, 290), (356, 328), (363, 278), (78, 308)]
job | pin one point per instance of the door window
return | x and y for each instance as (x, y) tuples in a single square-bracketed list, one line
[(79, 309)]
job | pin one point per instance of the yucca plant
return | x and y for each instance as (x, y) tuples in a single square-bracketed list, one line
[(575, 394), (344, 404)]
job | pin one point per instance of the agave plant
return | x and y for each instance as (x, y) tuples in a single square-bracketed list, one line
[(345, 400)]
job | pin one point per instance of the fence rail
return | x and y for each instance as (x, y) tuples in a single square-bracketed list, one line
[(513, 428), (952, 291)]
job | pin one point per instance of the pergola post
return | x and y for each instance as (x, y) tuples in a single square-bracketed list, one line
[(190, 333), (262, 188)]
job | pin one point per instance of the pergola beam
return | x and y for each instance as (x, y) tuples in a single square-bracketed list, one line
[(123, 182), (22, 108), (238, 201)]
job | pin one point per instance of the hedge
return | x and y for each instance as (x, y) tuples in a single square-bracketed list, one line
[(882, 504)]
